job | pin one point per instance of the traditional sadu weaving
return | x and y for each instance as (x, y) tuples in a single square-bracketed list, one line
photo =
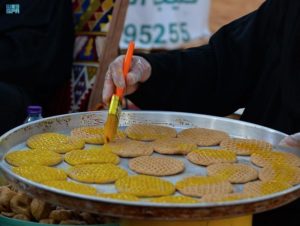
[(91, 21)]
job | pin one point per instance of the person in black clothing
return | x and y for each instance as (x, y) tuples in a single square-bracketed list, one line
[(251, 63), (36, 45)]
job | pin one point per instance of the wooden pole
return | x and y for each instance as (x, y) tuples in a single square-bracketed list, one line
[(110, 51)]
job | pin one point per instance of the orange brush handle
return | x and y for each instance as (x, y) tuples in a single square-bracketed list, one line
[(126, 67)]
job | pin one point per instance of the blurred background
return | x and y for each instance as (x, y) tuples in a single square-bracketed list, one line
[(224, 11)]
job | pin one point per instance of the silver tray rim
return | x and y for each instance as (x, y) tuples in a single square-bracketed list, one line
[(27, 182)]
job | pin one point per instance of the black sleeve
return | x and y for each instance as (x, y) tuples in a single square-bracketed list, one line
[(217, 78)]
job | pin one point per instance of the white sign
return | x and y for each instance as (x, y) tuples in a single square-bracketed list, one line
[(165, 24)]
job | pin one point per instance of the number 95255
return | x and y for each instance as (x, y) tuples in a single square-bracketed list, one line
[(158, 34)]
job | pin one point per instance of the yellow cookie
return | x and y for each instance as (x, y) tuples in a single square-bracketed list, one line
[(72, 187), (204, 137), (120, 196), (201, 185), (55, 142), (33, 157), (78, 157), (148, 132), (129, 148), (40, 173), (271, 157), (93, 135), (278, 172), (259, 188), (174, 199), (156, 166), (207, 157), (234, 173), (171, 146), (96, 173), (245, 146), (225, 197), (145, 186)]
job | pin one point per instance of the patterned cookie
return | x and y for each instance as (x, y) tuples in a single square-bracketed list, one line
[(260, 188), (206, 157), (72, 187), (78, 157), (245, 146), (269, 158), (225, 197), (129, 148), (204, 137), (145, 186), (174, 199), (119, 196), (93, 135), (173, 146), (40, 173), (156, 166), (278, 172), (201, 185), (55, 142), (148, 132), (96, 173), (33, 157), (234, 173)]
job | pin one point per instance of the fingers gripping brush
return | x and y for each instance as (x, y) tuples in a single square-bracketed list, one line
[(115, 107)]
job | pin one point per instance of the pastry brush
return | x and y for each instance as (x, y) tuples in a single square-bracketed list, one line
[(115, 107)]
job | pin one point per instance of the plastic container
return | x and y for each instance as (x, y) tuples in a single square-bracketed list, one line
[(33, 113)]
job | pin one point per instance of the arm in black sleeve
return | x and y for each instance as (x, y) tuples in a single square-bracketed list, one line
[(217, 78)]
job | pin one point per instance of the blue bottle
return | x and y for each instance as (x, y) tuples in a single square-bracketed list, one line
[(33, 113)]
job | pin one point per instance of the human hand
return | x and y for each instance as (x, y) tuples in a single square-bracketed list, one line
[(140, 71), (291, 141)]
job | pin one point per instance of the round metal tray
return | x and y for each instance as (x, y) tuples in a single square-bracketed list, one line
[(15, 139)]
